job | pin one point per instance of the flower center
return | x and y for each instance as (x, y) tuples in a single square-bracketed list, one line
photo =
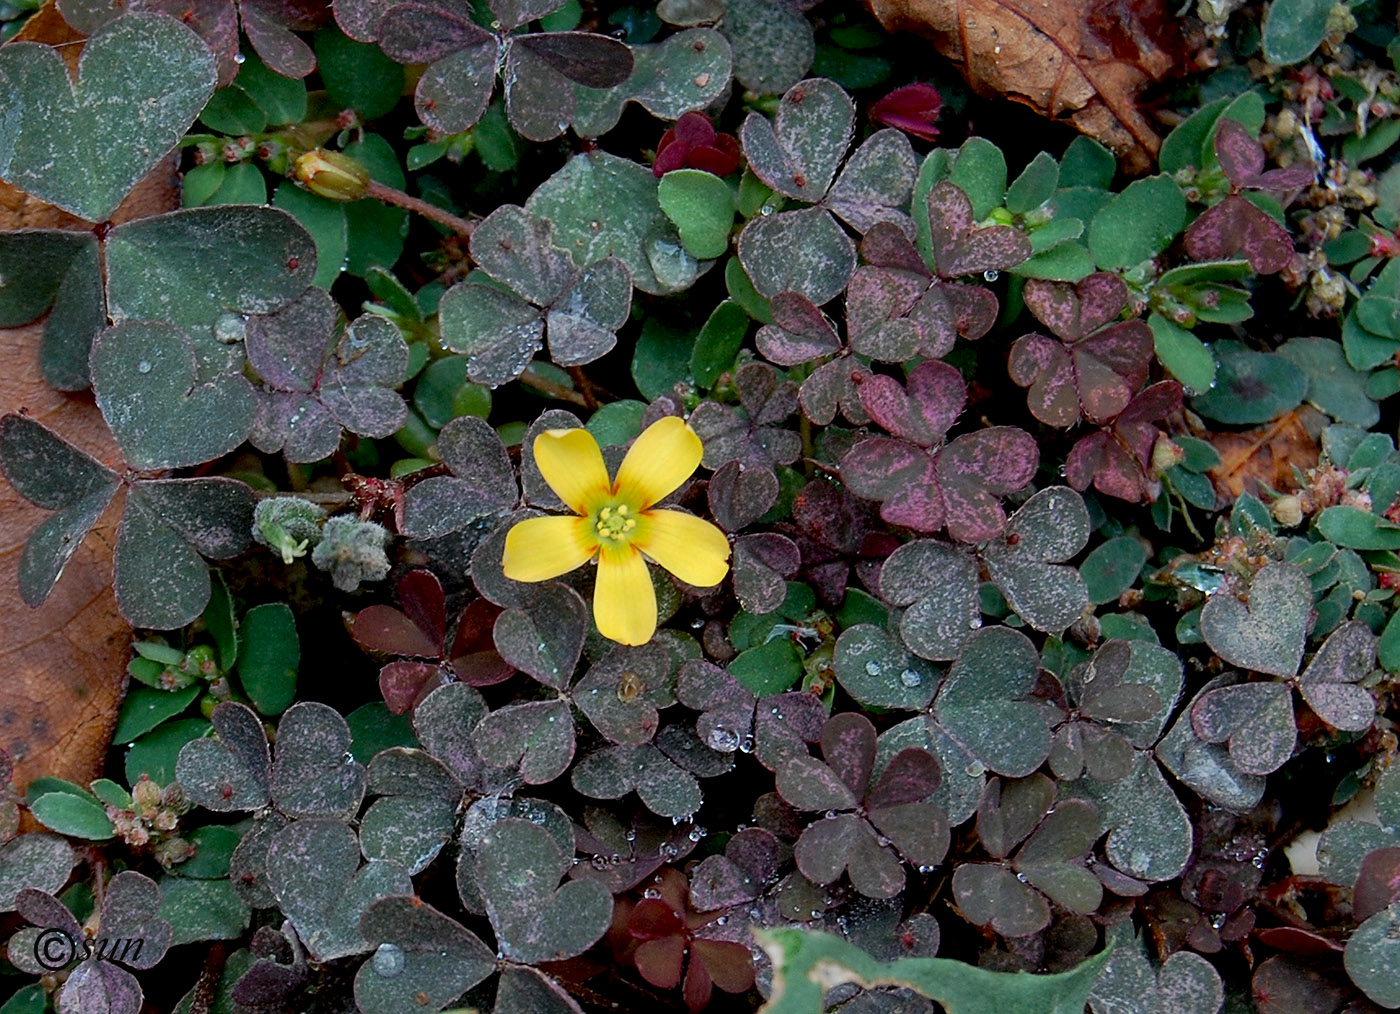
[(615, 522)]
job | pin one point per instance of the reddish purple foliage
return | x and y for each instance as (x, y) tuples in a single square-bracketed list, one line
[(912, 109), (1117, 460), (1096, 366), (692, 143)]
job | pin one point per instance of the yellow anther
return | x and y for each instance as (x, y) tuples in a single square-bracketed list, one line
[(629, 525), (606, 513), (621, 508)]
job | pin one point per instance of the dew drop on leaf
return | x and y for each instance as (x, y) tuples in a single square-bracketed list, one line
[(144, 366), (910, 678), (388, 960), (872, 668)]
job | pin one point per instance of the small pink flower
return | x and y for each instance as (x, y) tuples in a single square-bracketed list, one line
[(693, 144), (912, 109)]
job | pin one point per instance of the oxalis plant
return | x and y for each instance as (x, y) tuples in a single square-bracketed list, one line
[(630, 507)]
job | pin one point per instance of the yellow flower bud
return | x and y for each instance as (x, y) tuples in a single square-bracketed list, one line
[(331, 175)]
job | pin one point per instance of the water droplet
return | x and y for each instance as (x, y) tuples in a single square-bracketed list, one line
[(754, 913), (976, 769), (872, 668), (927, 868), (1022, 878), (230, 328), (722, 920), (722, 739), (910, 678), (747, 745), (388, 960), (239, 58), (631, 834), (990, 275), (883, 841), (144, 366), (974, 623), (1260, 859), (766, 210), (1217, 920), (615, 860), (669, 851), (599, 863), (696, 833), (651, 892)]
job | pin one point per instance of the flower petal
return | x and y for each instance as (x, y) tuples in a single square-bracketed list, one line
[(624, 602), (662, 458), (573, 466), (689, 547), (538, 549)]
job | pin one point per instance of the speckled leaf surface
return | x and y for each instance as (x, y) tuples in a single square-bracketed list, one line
[(1185, 983), (232, 771), (422, 960), (982, 702), (142, 80), (1267, 634), (1026, 563), (146, 380), (936, 585), (1328, 684), (682, 73), (519, 866)]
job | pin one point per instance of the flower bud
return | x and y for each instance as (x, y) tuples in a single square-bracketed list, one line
[(331, 175), (1287, 511), (1166, 454)]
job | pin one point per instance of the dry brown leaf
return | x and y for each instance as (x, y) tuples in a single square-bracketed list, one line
[(1068, 59), (1268, 454), (64, 664)]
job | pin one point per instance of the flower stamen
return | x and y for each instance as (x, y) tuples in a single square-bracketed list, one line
[(613, 522)]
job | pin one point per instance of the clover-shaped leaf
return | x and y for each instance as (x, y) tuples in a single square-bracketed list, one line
[(412, 818), (314, 868), (318, 382), (862, 821), (936, 585), (144, 375), (875, 669), (731, 719), (797, 154), (1096, 365), (482, 482), (682, 73), (740, 492), (960, 248), (519, 866), (443, 722), (1328, 684), (1011, 896), (537, 737), (925, 486), (1026, 563), (635, 231), (1267, 634), (1185, 983), (753, 434), (666, 788), (142, 79), (1117, 459), (481, 816), (423, 960), (1255, 719), (1149, 832), (465, 58), (232, 772), (982, 702), (751, 858), (762, 564), (36, 861), (1105, 699), (1208, 768), (545, 639)]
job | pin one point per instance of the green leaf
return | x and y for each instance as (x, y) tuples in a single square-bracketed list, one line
[(661, 359), (269, 656), (617, 423), (78, 816), (154, 754), (232, 111), (718, 343), (375, 231), (41, 258), (144, 375), (665, 81), (1294, 28), (202, 909), (142, 79), (1034, 186), (1251, 387), (1138, 223), (1063, 262), (1358, 529), (980, 170), (1112, 568), (806, 964), (282, 99), (325, 221), (702, 207), (357, 76), (1333, 386), (1182, 148), (740, 288), (768, 668), (219, 621), (144, 708), (1086, 163), (634, 228), (1182, 354)]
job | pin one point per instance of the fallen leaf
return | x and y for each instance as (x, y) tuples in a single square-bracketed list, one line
[(1268, 454), (65, 662), (1085, 62)]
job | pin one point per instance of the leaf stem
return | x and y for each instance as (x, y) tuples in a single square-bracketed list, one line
[(553, 390), (390, 195)]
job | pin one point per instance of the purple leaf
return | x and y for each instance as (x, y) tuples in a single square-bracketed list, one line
[(516, 249), (901, 476), (537, 736), (878, 302), (427, 31), (911, 776), (762, 565), (1242, 158), (99, 987), (876, 183), (952, 310), (832, 386), (1256, 719), (848, 746), (800, 332), (1237, 226), (739, 494), (622, 692), (585, 58), (924, 409), (961, 249), (975, 470), (1116, 459), (545, 638), (1328, 684), (808, 784), (797, 154)]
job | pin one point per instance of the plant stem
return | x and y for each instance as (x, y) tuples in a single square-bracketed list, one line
[(557, 391), (390, 195)]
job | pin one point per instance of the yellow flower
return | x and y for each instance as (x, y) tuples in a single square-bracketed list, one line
[(617, 524)]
